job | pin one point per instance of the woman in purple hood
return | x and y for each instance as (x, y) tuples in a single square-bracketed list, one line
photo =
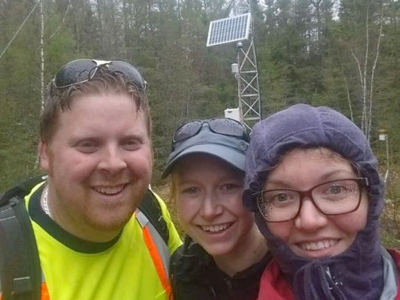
[(312, 180)]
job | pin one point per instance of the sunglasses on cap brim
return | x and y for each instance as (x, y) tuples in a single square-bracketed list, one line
[(223, 126)]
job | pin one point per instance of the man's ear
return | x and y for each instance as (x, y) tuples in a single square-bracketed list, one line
[(43, 149)]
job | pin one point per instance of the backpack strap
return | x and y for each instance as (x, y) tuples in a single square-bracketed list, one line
[(155, 235), (20, 271), (152, 210), (21, 190)]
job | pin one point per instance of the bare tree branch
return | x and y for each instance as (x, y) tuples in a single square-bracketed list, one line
[(42, 54), (360, 74), (62, 22), (348, 97), (364, 88), (373, 73)]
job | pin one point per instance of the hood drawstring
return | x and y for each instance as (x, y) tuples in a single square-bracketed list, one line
[(330, 285)]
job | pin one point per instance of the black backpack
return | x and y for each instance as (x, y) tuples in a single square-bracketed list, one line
[(20, 271)]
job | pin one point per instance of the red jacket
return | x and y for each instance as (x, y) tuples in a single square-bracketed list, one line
[(273, 286)]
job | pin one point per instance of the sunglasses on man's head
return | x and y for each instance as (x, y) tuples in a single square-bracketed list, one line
[(83, 70), (223, 126)]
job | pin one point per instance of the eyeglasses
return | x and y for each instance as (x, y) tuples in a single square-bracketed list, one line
[(330, 198), (223, 126), (83, 70)]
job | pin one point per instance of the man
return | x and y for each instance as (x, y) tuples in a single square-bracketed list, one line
[(95, 146)]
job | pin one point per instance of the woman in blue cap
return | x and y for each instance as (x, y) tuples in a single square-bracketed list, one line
[(224, 253), (312, 179)]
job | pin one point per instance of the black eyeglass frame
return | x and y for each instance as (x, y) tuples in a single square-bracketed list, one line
[(362, 182), (243, 134), (121, 67)]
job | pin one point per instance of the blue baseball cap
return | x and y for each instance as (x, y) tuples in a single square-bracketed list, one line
[(224, 138)]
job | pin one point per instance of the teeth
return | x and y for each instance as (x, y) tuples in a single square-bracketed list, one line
[(109, 190), (313, 246), (215, 228)]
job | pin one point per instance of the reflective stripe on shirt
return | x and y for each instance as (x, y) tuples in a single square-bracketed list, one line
[(158, 250)]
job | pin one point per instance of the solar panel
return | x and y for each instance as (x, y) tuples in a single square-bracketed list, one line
[(229, 30)]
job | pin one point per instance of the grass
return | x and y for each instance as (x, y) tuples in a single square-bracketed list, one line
[(390, 241)]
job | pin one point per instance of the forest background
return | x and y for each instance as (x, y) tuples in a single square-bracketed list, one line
[(340, 53)]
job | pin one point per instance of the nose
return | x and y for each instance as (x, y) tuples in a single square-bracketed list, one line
[(310, 218), (112, 160), (211, 208)]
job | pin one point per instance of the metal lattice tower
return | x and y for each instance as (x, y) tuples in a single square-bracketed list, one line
[(239, 28)]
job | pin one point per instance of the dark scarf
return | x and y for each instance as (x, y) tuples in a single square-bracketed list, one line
[(194, 275)]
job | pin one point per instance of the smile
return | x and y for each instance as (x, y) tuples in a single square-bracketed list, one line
[(320, 245), (109, 190), (215, 228)]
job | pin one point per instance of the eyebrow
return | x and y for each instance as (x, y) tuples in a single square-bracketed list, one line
[(325, 177)]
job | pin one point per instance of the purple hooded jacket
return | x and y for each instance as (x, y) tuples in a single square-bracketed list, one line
[(358, 272)]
